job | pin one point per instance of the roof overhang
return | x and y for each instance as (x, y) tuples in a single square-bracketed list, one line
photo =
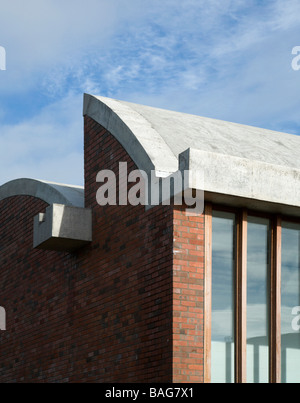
[(251, 176), (243, 183)]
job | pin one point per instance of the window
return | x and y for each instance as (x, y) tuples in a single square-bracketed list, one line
[(290, 304), (252, 298), (258, 280), (222, 315)]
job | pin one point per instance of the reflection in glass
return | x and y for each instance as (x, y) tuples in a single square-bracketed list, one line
[(258, 269), (290, 300), (222, 347)]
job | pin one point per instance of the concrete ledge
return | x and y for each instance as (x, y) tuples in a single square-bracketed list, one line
[(242, 178), (62, 228)]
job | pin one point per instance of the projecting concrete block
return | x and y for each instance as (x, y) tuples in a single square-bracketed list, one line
[(62, 228)]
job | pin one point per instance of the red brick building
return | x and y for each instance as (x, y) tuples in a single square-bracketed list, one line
[(124, 293)]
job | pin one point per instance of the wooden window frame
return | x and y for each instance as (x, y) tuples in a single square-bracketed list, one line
[(275, 302), (241, 291), (241, 298), (207, 292)]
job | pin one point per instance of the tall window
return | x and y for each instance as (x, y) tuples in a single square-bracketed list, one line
[(252, 298), (258, 280), (222, 315), (290, 304)]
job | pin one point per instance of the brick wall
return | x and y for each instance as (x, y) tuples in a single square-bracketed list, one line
[(36, 292), (126, 308), (174, 250), (188, 302), (129, 266)]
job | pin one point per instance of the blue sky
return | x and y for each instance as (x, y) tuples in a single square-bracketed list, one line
[(225, 59)]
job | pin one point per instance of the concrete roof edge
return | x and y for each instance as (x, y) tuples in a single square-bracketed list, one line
[(46, 191), (137, 135), (240, 177)]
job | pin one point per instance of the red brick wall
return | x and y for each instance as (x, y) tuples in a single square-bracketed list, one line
[(129, 266), (174, 245), (188, 303), (103, 314), (126, 308), (36, 292)]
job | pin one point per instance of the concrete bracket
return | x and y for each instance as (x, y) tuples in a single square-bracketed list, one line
[(62, 228)]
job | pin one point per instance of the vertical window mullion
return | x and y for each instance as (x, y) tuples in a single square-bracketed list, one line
[(275, 303), (208, 292), (241, 298)]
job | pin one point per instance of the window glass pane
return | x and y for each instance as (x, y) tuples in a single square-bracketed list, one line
[(258, 269), (222, 348), (290, 304)]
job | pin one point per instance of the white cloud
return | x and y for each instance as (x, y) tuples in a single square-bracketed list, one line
[(42, 36), (48, 146)]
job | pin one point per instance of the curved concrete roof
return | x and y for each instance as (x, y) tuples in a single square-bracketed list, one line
[(236, 160), (47, 191), (156, 137), (137, 134)]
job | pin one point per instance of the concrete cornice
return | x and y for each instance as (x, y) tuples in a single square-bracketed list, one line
[(255, 182), (46, 191)]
